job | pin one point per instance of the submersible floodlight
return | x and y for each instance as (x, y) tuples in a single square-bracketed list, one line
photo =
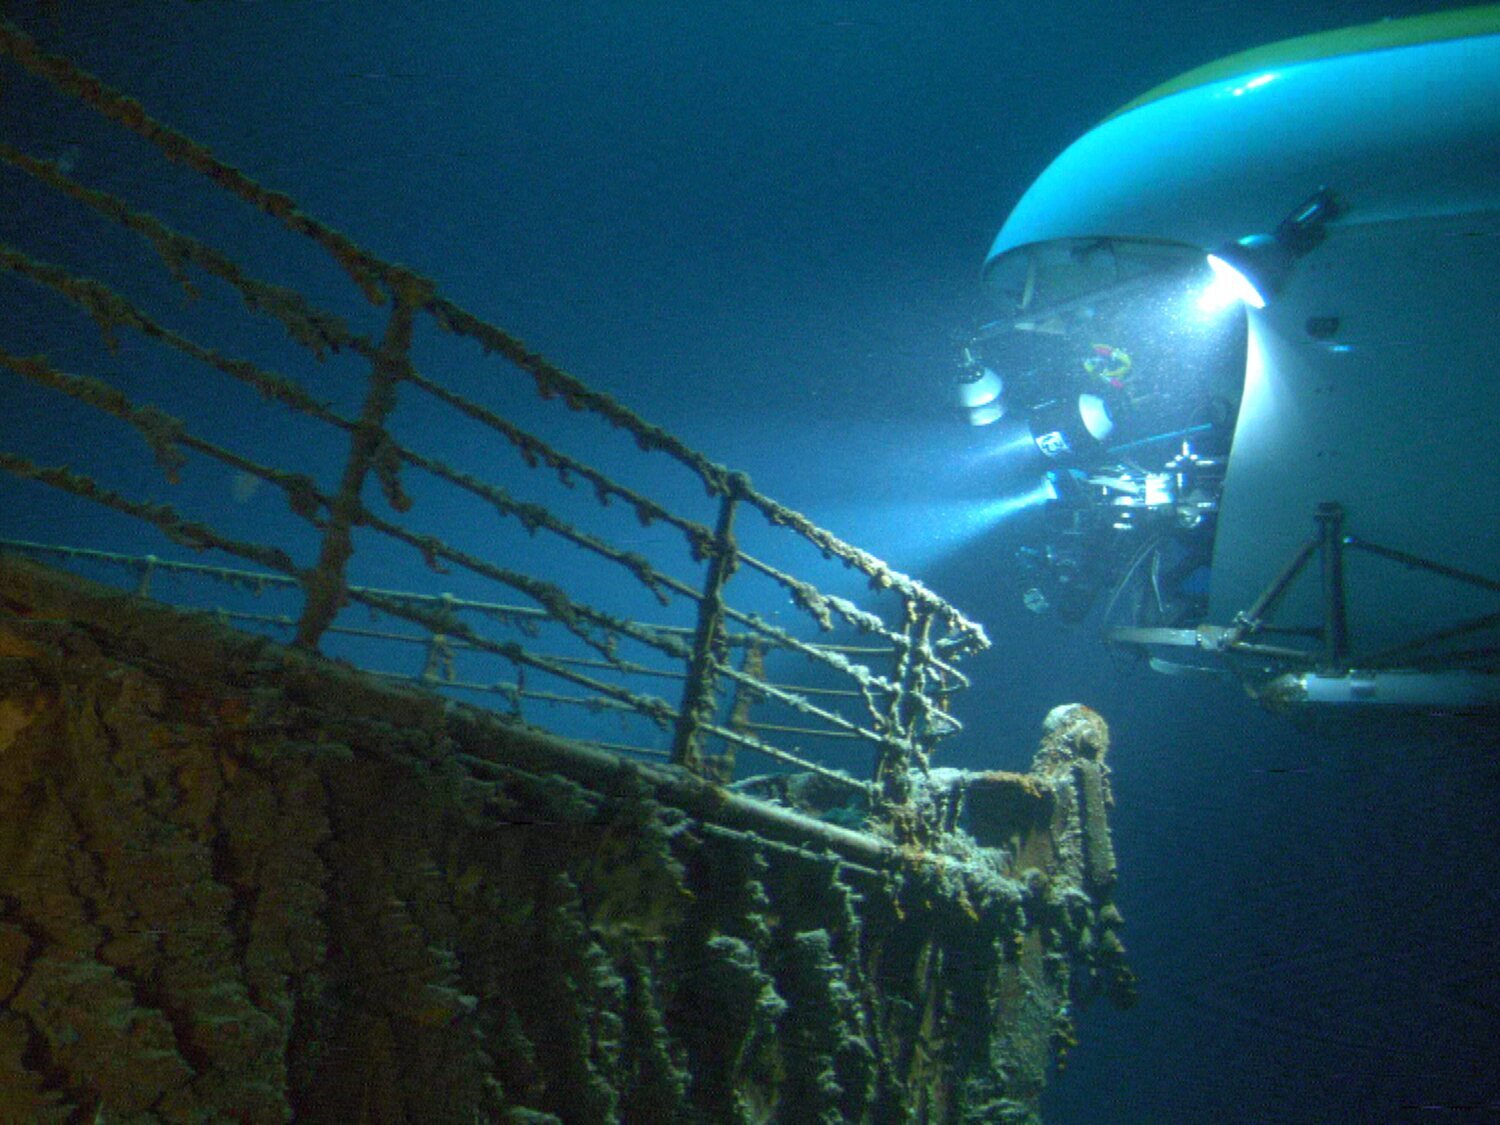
[(1233, 278), (1069, 426), (1058, 432), (1255, 268), (977, 392)]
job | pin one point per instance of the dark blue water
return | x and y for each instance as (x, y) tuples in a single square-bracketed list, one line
[(761, 225)]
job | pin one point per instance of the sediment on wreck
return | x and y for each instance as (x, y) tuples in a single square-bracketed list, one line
[(241, 882)]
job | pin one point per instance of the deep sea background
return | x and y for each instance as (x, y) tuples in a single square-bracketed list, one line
[(761, 226)]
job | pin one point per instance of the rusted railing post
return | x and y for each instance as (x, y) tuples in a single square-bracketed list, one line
[(720, 767), (698, 701), (901, 717), (902, 751), (323, 585)]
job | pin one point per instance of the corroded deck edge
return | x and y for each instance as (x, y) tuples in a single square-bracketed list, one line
[(238, 881)]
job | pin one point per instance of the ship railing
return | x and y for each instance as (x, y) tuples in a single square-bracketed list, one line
[(339, 420)]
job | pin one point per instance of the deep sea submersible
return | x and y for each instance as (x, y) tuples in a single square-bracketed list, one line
[(1242, 380), (359, 887)]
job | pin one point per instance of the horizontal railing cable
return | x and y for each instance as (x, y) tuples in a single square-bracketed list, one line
[(895, 690)]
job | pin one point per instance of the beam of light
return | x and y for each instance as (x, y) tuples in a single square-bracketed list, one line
[(912, 491), (1259, 399), (913, 535), (1008, 448), (1228, 286), (996, 512)]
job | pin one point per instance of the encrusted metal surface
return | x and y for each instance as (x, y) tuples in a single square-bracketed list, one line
[(240, 882)]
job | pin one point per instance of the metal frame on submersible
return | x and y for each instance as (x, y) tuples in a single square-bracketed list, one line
[(1332, 673)]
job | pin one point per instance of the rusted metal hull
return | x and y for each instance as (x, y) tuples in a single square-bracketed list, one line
[(238, 881)]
